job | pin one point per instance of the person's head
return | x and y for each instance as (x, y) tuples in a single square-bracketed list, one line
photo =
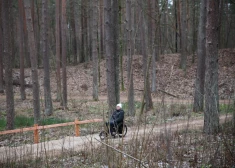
[(119, 106)]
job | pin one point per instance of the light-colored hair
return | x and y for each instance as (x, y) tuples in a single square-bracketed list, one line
[(119, 105)]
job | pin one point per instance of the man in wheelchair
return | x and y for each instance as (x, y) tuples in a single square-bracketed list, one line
[(116, 120)]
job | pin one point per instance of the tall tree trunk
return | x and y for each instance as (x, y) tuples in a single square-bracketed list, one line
[(183, 35), (6, 19), (64, 51), (193, 20), (89, 25), (234, 106), (156, 28), (33, 58), (27, 54), (77, 29), (176, 25), (109, 54), (58, 53), (83, 32), (13, 25), (101, 34), (73, 36), (201, 55), (129, 33), (37, 31), (101, 29), (46, 66), (1, 51), (115, 39), (36, 28), (152, 44), (164, 45), (211, 115), (221, 11), (147, 92), (121, 46), (179, 20), (21, 49), (94, 51)]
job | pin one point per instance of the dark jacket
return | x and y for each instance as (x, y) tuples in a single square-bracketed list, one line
[(117, 116)]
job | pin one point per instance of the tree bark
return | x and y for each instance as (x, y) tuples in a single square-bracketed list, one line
[(64, 52), (58, 53), (73, 32), (27, 54), (156, 28), (201, 55), (84, 32), (221, 11), (77, 28), (164, 31), (176, 24), (33, 58), (152, 17), (6, 12), (147, 92), (211, 115), (183, 35), (109, 55), (193, 24), (101, 14), (1, 52), (121, 42), (94, 51), (129, 33), (21, 49), (234, 106), (115, 28), (179, 20), (46, 66), (36, 28)]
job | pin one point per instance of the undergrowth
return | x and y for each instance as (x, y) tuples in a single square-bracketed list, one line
[(168, 147), (23, 121)]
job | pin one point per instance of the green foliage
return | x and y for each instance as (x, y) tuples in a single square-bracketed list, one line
[(23, 121), (125, 105), (226, 108), (206, 166), (2, 124), (49, 121)]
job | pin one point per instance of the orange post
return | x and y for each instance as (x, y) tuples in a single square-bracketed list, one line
[(36, 135), (77, 128)]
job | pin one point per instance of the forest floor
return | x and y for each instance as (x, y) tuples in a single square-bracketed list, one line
[(169, 78), (172, 110)]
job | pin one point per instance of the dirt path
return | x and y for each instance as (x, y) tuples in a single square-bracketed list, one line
[(56, 147)]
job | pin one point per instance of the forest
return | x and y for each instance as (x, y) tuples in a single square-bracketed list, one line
[(169, 63)]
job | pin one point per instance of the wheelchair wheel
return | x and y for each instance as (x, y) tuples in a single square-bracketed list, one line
[(103, 135), (122, 131)]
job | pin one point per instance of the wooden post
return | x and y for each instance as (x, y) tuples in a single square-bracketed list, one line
[(77, 128), (36, 135)]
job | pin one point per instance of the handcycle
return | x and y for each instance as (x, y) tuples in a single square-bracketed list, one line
[(118, 130)]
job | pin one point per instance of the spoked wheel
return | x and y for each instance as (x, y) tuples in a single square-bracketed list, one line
[(122, 131), (103, 135)]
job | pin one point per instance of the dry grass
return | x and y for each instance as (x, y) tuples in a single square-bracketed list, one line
[(188, 147)]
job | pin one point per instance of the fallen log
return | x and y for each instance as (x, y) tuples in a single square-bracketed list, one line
[(16, 82), (167, 93)]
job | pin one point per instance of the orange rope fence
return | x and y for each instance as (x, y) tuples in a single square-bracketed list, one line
[(36, 127)]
